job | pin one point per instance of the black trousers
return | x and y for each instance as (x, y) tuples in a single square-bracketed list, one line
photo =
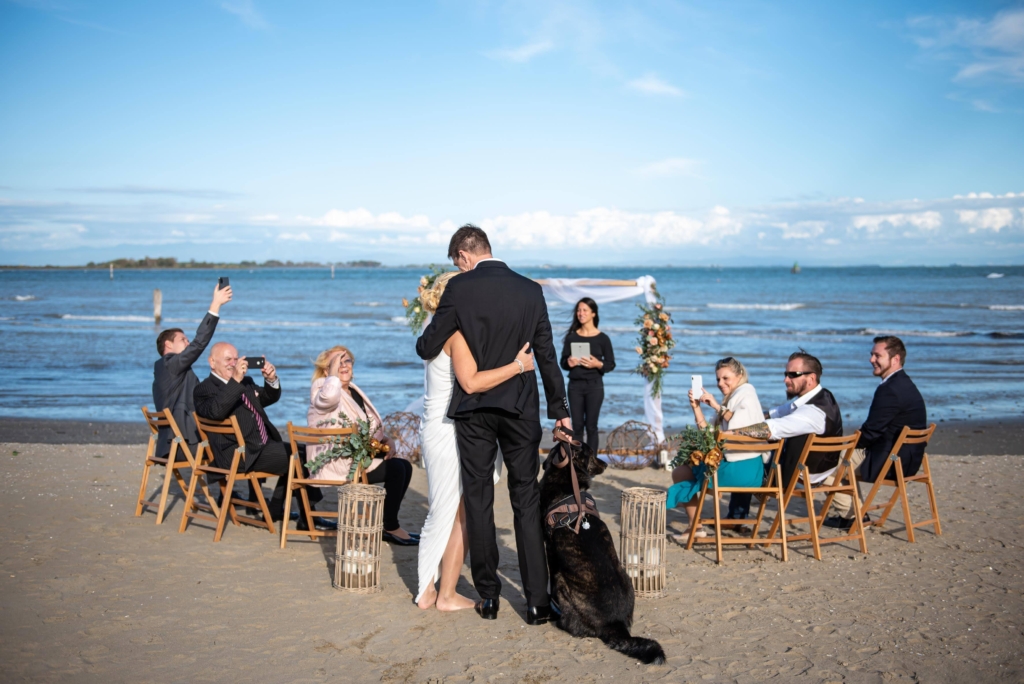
[(273, 458), (585, 399), (395, 473), (479, 436)]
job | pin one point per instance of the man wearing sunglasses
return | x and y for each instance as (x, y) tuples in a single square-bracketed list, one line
[(811, 410)]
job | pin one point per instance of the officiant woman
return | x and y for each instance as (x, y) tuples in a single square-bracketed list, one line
[(586, 373), (333, 395)]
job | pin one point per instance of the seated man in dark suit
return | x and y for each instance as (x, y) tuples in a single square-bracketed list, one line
[(228, 392), (173, 378), (896, 403)]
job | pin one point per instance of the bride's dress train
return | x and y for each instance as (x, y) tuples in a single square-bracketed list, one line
[(440, 453)]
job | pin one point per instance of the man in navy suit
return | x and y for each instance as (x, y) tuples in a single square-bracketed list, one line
[(897, 403)]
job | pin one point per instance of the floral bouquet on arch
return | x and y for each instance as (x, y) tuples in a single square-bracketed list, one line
[(654, 343), (361, 446), (699, 445), (414, 313)]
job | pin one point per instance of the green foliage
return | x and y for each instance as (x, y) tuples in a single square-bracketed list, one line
[(360, 446), (694, 439), (414, 313)]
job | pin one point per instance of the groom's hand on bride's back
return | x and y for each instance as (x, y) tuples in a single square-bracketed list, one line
[(526, 358)]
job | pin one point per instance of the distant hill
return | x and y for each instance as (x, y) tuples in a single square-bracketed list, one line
[(171, 262)]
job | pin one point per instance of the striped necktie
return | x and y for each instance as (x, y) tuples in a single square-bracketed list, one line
[(259, 418)]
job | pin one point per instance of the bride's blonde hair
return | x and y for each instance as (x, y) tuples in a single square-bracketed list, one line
[(430, 298)]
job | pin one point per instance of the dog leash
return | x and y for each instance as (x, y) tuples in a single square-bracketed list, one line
[(584, 503)]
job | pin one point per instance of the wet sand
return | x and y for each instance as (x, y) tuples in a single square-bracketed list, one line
[(91, 593)]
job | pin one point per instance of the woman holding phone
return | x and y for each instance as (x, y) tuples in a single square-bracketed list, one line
[(587, 354)]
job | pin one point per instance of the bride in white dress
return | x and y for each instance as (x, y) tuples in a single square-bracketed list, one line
[(442, 549)]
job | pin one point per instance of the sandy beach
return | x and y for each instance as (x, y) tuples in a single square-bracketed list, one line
[(92, 593)]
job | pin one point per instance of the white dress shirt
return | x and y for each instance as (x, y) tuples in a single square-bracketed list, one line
[(487, 259), (796, 417)]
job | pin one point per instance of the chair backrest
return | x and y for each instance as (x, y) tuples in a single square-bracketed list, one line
[(307, 435), (910, 436), (160, 419), (815, 444), (753, 444), (219, 427)]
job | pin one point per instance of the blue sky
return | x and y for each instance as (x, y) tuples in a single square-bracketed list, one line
[(574, 132)]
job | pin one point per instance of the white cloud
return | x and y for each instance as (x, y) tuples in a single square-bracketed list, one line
[(985, 49), (296, 237), (652, 85), (523, 53), (925, 221), (247, 12), (802, 230), (673, 166), (986, 219), (362, 218)]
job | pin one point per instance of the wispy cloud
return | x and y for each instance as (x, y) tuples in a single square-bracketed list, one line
[(674, 166), (247, 12), (523, 53), (196, 193), (982, 49), (653, 85)]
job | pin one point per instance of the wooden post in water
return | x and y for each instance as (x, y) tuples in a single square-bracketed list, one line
[(332, 271), (111, 271), (158, 301)]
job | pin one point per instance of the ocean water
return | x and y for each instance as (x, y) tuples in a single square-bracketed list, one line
[(77, 345)]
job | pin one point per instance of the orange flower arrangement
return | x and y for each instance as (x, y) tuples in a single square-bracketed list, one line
[(654, 343)]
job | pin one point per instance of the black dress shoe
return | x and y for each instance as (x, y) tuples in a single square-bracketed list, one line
[(392, 539), (538, 615), (487, 608), (838, 522), (322, 524)]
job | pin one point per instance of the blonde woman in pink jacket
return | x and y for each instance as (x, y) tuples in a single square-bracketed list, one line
[(333, 395)]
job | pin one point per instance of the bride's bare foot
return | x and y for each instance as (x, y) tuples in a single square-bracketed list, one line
[(428, 599), (456, 602)]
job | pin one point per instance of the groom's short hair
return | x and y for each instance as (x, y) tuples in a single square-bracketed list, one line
[(470, 239)]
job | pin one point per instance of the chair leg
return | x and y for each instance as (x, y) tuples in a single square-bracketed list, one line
[(782, 516), (263, 508), (304, 497), (858, 516), (901, 488), (696, 522), (931, 496), (811, 520), (887, 511), (190, 499), (288, 501), (168, 476), (718, 520), (226, 506), (142, 487)]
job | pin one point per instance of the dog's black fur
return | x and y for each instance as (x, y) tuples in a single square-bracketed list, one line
[(588, 583)]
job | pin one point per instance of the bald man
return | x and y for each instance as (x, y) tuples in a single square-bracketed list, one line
[(228, 392)]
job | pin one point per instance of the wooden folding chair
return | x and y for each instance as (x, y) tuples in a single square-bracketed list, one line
[(307, 436), (907, 436), (156, 420), (205, 469), (801, 483), (748, 444)]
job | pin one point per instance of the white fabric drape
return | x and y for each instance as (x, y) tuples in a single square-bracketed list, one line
[(572, 290)]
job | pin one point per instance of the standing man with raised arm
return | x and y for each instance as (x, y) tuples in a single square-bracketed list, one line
[(498, 311), (173, 377)]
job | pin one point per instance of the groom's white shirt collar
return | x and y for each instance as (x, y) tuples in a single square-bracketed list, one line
[(487, 259)]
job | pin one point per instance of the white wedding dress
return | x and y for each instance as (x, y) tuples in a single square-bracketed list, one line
[(440, 453)]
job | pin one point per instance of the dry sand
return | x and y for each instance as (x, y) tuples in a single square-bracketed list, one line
[(92, 593)]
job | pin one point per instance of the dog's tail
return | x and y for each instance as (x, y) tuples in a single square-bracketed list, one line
[(647, 651)]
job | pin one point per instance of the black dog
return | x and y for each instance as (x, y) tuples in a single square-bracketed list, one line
[(589, 587)]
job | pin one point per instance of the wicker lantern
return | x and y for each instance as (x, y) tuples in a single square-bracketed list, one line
[(360, 526), (631, 446), (642, 540)]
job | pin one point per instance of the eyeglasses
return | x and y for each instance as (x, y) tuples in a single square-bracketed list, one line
[(346, 362), (793, 375)]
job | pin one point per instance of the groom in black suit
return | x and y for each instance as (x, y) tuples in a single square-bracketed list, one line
[(498, 311)]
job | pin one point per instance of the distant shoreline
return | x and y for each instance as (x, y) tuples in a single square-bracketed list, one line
[(987, 437), (141, 265)]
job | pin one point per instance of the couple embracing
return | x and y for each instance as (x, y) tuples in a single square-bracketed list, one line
[(490, 326)]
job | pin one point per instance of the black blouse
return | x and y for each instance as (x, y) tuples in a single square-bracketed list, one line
[(600, 349)]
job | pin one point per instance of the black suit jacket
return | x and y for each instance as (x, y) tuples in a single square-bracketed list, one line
[(498, 311), (897, 402), (173, 385), (218, 400)]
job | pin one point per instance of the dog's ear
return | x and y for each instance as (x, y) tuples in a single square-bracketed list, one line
[(595, 466)]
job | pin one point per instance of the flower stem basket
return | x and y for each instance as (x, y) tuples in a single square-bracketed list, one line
[(360, 525), (642, 540)]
